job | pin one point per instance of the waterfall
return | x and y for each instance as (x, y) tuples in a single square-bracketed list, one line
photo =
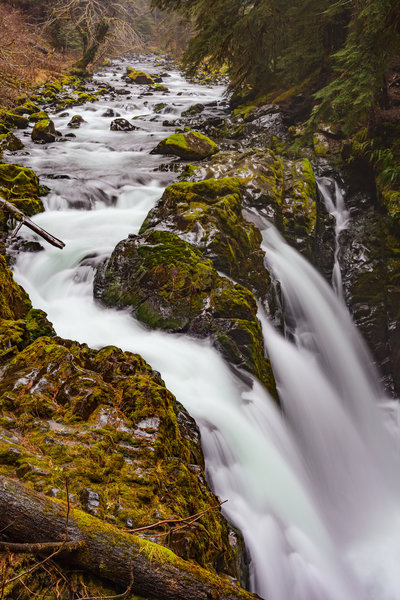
[(314, 491), (335, 205)]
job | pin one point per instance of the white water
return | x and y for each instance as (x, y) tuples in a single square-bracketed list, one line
[(315, 494), (335, 205)]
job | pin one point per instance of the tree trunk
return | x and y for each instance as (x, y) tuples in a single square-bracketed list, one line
[(90, 51), (106, 552)]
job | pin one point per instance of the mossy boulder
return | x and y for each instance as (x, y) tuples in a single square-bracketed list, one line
[(131, 453), (44, 132), (8, 141), (27, 108), (191, 145), (169, 284), (11, 120), (209, 215), (20, 186), (75, 122), (39, 116), (285, 189), (138, 77)]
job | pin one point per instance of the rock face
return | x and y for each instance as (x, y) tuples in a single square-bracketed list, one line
[(370, 259), (190, 146), (169, 284), (44, 132), (208, 214)]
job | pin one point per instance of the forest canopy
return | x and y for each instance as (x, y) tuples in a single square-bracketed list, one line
[(271, 45)]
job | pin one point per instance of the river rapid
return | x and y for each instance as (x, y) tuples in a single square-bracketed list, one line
[(316, 493)]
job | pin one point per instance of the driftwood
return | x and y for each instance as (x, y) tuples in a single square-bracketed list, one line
[(107, 552), (24, 220)]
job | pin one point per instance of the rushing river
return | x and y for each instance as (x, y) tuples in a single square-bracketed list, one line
[(315, 494)]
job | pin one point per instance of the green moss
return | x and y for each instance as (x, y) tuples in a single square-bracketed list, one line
[(9, 141), (39, 116), (12, 120), (139, 77), (191, 145), (16, 181), (214, 207)]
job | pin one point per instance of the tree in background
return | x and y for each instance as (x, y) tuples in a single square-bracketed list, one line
[(265, 43), (99, 25)]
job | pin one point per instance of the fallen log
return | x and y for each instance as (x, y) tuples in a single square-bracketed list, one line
[(24, 220), (107, 552)]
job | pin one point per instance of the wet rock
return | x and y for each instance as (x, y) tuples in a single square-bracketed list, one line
[(76, 122), (12, 120), (138, 77), (44, 132), (208, 214), (190, 146), (9, 141), (122, 125), (168, 284), (90, 501), (284, 189), (193, 110), (110, 113), (370, 260)]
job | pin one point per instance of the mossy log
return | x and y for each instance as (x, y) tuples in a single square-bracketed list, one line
[(107, 552), (24, 220)]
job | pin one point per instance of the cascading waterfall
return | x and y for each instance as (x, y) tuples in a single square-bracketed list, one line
[(315, 493), (335, 205)]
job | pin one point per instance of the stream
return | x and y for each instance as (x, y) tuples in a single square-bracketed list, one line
[(316, 494)]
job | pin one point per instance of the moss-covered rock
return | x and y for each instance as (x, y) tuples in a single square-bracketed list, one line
[(138, 77), (169, 284), (39, 116), (131, 453), (191, 145), (75, 122), (44, 132), (11, 120), (27, 108), (285, 189), (8, 141), (209, 215), (20, 186), (14, 301)]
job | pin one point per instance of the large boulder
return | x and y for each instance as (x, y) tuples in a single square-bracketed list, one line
[(191, 145), (131, 453), (168, 284), (209, 215), (138, 77), (44, 132)]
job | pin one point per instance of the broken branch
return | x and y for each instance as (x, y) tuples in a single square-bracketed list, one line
[(18, 214)]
